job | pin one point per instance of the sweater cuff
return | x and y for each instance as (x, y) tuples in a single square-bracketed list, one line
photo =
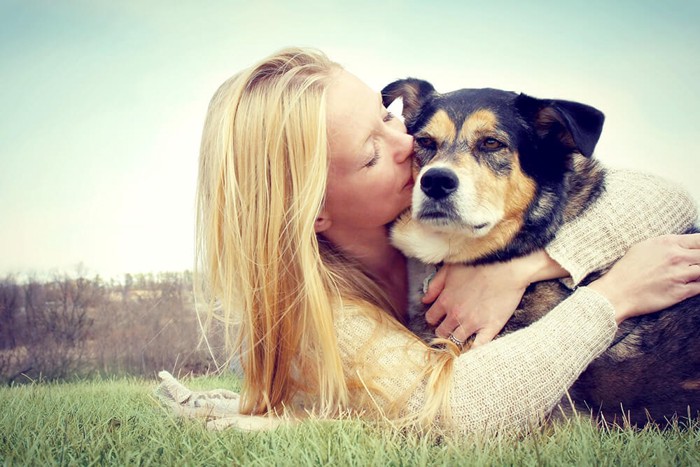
[(595, 305)]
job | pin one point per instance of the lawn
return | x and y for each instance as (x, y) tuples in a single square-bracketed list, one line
[(119, 422)]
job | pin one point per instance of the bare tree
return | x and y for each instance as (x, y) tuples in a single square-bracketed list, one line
[(57, 324), (10, 304), (68, 326)]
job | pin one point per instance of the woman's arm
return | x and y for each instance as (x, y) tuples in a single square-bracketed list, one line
[(509, 384), (633, 207)]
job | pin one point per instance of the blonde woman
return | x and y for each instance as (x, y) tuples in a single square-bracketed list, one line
[(301, 170)]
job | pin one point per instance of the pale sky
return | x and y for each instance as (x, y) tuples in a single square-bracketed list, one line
[(103, 102)]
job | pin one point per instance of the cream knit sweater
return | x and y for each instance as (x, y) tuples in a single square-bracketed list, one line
[(509, 384)]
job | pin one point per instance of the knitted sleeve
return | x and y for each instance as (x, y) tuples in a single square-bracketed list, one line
[(633, 207), (505, 386)]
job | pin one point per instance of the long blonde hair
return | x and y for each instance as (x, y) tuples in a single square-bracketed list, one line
[(267, 276)]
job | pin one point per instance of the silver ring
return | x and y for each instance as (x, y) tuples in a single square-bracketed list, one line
[(455, 341)]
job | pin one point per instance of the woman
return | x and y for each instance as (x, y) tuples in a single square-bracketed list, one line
[(301, 171)]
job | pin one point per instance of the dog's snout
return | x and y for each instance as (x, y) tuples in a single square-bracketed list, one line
[(437, 183)]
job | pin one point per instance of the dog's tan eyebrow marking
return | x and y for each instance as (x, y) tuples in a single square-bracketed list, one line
[(691, 385), (478, 122), (440, 127)]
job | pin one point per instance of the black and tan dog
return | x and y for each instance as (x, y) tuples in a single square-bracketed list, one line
[(498, 174)]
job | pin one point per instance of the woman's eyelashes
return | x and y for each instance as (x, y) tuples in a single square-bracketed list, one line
[(375, 147), (375, 154)]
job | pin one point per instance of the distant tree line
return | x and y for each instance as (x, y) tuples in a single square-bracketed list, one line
[(66, 327)]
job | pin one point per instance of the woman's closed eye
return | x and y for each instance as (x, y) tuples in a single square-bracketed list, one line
[(374, 158)]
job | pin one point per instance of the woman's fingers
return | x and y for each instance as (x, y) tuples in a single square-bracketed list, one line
[(484, 336), (690, 241), (436, 285), (692, 273), (654, 274), (461, 333), (693, 256), (447, 327)]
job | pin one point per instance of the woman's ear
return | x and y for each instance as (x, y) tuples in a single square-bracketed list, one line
[(322, 222)]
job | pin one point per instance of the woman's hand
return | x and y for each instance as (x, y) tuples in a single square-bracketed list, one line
[(653, 275), (481, 299)]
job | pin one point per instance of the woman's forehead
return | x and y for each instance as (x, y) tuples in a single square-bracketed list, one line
[(348, 95), (352, 110)]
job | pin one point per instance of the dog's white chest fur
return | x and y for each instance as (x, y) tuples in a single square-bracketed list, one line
[(417, 241)]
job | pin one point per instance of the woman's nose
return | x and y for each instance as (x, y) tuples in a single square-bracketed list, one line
[(403, 144)]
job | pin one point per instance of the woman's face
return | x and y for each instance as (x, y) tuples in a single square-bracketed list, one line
[(370, 180)]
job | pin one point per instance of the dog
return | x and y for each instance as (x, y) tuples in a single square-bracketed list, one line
[(497, 174)]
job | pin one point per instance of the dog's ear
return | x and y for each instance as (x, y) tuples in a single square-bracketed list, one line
[(414, 93), (577, 126)]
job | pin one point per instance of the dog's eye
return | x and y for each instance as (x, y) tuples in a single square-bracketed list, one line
[(427, 143), (491, 144)]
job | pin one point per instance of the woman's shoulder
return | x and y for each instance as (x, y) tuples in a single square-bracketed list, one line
[(357, 316), (362, 325)]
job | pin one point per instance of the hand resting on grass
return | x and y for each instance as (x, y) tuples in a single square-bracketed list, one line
[(219, 407)]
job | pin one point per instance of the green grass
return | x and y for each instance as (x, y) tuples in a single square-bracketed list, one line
[(118, 422)]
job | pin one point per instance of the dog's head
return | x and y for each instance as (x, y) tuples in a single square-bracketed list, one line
[(491, 163)]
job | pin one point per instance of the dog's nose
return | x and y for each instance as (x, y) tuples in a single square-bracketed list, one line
[(439, 182)]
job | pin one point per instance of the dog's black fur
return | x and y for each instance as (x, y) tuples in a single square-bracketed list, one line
[(651, 372)]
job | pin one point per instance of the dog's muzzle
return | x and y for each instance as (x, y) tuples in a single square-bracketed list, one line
[(438, 183)]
